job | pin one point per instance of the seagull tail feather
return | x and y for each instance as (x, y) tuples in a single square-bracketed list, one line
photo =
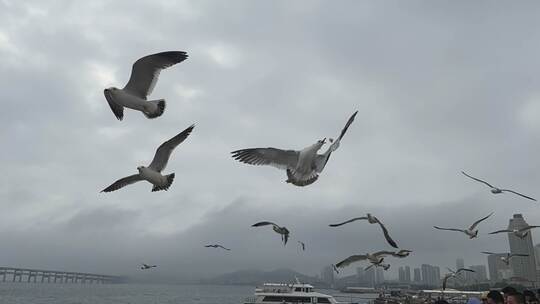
[(170, 179), (160, 103)]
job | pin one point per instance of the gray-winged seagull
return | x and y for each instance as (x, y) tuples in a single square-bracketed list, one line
[(303, 167), (152, 173), (453, 274), (496, 190), (144, 75), (283, 231), (146, 266), (375, 259), (470, 231), (520, 233), (506, 259), (216, 246), (372, 220)]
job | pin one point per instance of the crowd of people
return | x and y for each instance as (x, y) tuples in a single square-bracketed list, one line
[(507, 295)]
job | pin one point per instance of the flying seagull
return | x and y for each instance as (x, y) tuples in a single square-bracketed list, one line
[(144, 75), (152, 173), (496, 190), (372, 220), (470, 231), (374, 258), (283, 231), (506, 259), (216, 246), (303, 245), (303, 167), (520, 233), (403, 253), (146, 266), (453, 274)]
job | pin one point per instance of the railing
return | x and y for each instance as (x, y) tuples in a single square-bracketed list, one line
[(40, 276)]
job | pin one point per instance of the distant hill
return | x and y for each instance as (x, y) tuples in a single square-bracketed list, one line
[(257, 277)]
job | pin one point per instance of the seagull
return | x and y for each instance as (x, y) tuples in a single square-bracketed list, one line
[(144, 75), (152, 173), (146, 266), (283, 231), (384, 266), (496, 190), (403, 253), (303, 167), (372, 220), (520, 233), (453, 274), (374, 258), (216, 246), (470, 231), (303, 245), (506, 259)]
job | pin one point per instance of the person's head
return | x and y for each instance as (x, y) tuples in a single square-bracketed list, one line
[(515, 298), (507, 290), (495, 297), (528, 295)]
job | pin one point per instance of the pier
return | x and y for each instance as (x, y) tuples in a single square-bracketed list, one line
[(13, 274)]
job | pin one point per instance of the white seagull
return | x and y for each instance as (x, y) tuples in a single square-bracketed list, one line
[(496, 190), (146, 266), (372, 220), (216, 246), (506, 259), (471, 232), (303, 167), (144, 75), (375, 259), (152, 173), (453, 274), (520, 233), (283, 231)]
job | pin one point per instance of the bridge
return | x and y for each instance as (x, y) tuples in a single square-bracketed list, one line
[(13, 274)]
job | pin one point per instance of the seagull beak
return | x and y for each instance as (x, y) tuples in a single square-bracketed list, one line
[(323, 140)]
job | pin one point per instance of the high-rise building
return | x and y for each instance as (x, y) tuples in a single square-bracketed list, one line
[(379, 275), (537, 255), (417, 275), (523, 267), (430, 275), (407, 274), (401, 274), (327, 275), (370, 277), (480, 273), (460, 263), (498, 270)]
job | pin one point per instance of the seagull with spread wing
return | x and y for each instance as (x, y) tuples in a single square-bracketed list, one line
[(376, 259), (216, 246), (506, 259), (372, 220), (283, 231), (496, 190), (144, 75), (453, 274), (520, 233), (152, 173), (303, 167), (471, 232), (146, 266)]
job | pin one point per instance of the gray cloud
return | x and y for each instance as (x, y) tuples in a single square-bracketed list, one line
[(439, 89)]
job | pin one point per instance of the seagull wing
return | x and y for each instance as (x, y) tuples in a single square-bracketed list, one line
[(164, 151), (223, 247), (145, 71), (478, 222), (478, 180), (118, 110), (501, 231), (464, 269), (445, 280), (281, 159), (449, 229), (123, 182), (383, 253), (518, 254), (522, 195), (349, 221), (528, 228), (260, 224), (349, 122), (351, 259), (387, 235), (487, 252)]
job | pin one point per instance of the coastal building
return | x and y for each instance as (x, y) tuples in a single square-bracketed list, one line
[(407, 274), (522, 267), (417, 276), (431, 275), (498, 270), (479, 274)]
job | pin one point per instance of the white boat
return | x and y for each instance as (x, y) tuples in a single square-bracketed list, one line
[(297, 293)]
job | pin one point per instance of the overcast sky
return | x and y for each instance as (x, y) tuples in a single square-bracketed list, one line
[(440, 87)]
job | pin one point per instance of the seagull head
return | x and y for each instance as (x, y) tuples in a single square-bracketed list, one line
[(320, 143), (140, 168)]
